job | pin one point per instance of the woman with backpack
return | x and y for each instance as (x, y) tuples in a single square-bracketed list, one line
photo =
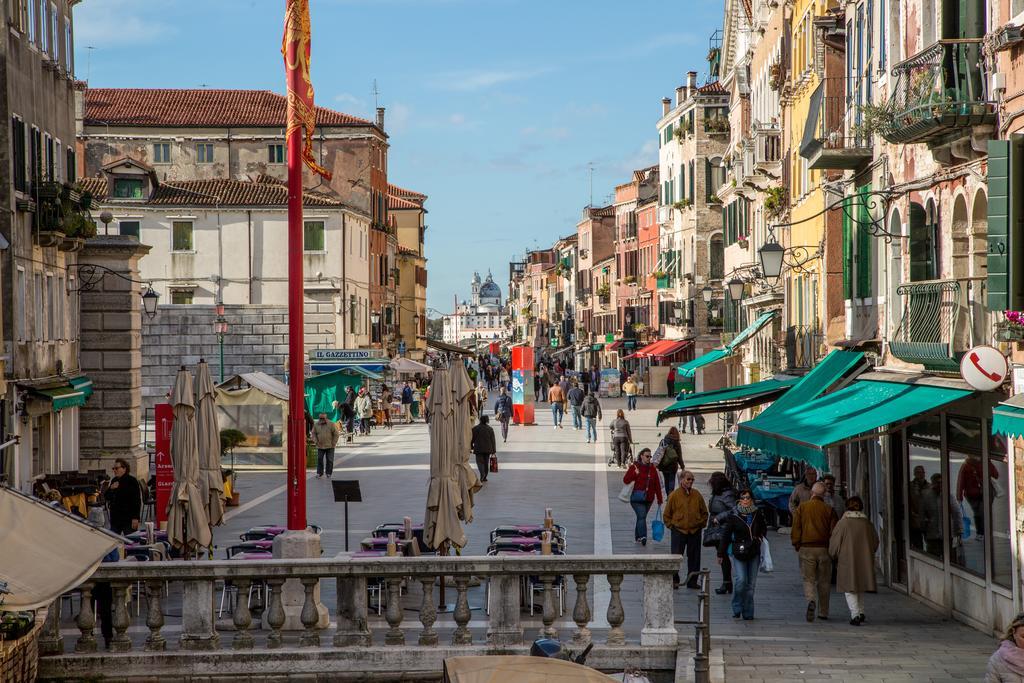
[(669, 458), (743, 532), (723, 500), (646, 487)]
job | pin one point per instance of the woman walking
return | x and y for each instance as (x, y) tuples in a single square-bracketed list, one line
[(622, 438), (1006, 665), (743, 532), (671, 459), (852, 546), (723, 500), (364, 410), (646, 487)]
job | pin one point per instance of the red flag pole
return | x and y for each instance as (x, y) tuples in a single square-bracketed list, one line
[(296, 346)]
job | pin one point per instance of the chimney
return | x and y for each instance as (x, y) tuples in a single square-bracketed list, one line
[(380, 115), (691, 81), (666, 105), (680, 96)]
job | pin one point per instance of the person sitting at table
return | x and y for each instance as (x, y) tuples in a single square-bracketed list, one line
[(802, 491)]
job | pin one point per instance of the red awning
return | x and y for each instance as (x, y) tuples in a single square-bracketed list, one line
[(614, 345), (671, 348)]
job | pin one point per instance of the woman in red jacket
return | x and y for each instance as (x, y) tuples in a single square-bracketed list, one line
[(646, 487)]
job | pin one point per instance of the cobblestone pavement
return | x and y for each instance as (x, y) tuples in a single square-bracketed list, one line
[(544, 467)]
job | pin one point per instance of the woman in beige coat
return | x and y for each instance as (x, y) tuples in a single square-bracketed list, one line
[(853, 545)]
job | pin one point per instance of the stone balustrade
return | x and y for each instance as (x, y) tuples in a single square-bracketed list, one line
[(249, 639)]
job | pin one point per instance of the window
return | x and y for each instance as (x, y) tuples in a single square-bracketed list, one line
[(54, 31), (44, 28), (60, 294), (313, 236), (999, 511), (37, 306), (69, 48), (181, 296), (48, 150), (130, 228), (352, 313), (967, 482), (925, 487), (161, 152), (71, 170), (58, 158), (275, 154), (1016, 7), (181, 236), (204, 153), (51, 309), (21, 305), (33, 33), (36, 171), (128, 188), (18, 153)]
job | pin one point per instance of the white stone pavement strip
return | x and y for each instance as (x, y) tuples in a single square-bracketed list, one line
[(602, 531)]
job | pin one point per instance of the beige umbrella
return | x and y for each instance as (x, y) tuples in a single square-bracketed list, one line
[(452, 480), (187, 524), (211, 483)]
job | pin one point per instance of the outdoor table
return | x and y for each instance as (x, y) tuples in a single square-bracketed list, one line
[(372, 543), (750, 461), (533, 530)]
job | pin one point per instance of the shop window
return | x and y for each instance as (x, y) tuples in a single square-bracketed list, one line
[(967, 481), (924, 498), (999, 511)]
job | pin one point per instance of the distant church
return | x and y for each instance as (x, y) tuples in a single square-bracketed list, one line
[(481, 319)]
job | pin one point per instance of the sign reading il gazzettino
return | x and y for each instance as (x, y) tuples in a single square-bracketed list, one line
[(346, 354)]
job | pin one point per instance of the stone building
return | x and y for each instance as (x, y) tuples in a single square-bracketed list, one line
[(693, 135), (43, 222), (407, 208), (595, 241), (480, 320), (633, 317)]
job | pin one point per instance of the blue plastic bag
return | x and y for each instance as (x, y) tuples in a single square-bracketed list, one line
[(657, 527), (967, 523)]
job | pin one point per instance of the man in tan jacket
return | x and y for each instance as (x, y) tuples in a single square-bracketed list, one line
[(685, 515), (813, 523), (325, 437)]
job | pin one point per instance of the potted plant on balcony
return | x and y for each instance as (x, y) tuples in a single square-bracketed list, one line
[(775, 200), (682, 204), (630, 279), (1012, 328)]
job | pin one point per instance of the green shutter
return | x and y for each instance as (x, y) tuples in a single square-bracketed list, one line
[(847, 252), (692, 170), (864, 245), (998, 225)]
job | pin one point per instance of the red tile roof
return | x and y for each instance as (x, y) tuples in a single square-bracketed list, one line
[(407, 251), (399, 203), (197, 107), (714, 87), (404, 193), (263, 191)]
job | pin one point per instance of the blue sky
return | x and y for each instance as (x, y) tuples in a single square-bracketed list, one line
[(495, 108)]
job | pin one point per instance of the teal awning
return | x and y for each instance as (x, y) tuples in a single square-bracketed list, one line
[(81, 383), (1008, 417), (752, 329), (803, 432), (731, 398), (61, 397), (325, 393), (818, 380), (689, 369)]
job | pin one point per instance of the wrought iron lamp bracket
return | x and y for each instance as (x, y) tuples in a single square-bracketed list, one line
[(850, 205), (90, 275)]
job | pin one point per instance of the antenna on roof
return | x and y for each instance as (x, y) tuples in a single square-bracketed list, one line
[(376, 94), (590, 165), (88, 62)]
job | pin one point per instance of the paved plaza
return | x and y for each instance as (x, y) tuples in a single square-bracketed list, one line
[(544, 467)]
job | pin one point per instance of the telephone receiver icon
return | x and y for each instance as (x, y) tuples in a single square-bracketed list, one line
[(976, 361)]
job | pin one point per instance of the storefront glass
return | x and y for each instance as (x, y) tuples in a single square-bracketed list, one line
[(999, 511), (924, 487), (966, 487)]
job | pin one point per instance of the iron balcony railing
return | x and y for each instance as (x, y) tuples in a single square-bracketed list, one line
[(804, 346), (941, 89), (835, 137), (937, 323)]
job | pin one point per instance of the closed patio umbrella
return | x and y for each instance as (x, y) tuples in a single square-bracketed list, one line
[(452, 480), (211, 483), (187, 524)]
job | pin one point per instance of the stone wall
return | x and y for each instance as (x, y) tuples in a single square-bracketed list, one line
[(257, 340)]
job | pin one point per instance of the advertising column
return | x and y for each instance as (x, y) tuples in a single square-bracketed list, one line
[(522, 385)]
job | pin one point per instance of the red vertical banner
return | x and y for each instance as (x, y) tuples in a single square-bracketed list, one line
[(164, 416), (522, 385)]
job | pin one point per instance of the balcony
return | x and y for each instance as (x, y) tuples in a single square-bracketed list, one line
[(227, 619), (767, 147), (940, 93), (938, 322), (664, 282), (804, 346), (833, 136)]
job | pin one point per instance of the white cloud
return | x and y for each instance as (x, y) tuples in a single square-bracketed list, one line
[(351, 101), (117, 23), (457, 119), (468, 80), (397, 118), (646, 156)]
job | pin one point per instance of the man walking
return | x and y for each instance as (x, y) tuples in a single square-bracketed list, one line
[(591, 411), (349, 413), (557, 400), (483, 446), (575, 397), (503, 411), (802, 491), (325, 436), (124, 499), (407, 403), (670, 382), (813, 523), (686, 514)]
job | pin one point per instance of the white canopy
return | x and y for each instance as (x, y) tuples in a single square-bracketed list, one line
[(410, 366)]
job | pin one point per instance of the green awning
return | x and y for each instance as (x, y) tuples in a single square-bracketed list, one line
[(596, 347), (325, 393), (731, 398), (83, 384), (752, 329), (1008, 417), (804, 431), (689, 369), (61, 397), (818, 380)]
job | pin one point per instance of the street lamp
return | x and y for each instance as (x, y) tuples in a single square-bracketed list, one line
[(149, 302), (374, 321), (707, 293), (735, 286), (220, 325), (771, 259)]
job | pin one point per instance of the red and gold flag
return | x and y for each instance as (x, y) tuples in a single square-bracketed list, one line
[(296, 50)]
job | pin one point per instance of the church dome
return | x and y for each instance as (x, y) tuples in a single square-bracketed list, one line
[(490, 290)]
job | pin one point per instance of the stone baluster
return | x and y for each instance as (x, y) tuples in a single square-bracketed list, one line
[(503, 627), (120, 618), (275, 614), (50, 641), (353, 607), (241, 616), (393, 613), (428, 611), (309, 616), (581, 612), (548, 630), (616, 615), (155, 641), (659, 611), (86, 622), (462, 614), (197, 617)]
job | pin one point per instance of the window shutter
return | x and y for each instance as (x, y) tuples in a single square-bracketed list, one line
[(847, 252), (999, 221), (863, 245), (692, 171)]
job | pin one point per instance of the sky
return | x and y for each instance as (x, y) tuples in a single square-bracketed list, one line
[(496, 109)]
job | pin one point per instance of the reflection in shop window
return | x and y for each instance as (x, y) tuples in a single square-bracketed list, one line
[(999, 511), (924, 499), (967, 485)]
